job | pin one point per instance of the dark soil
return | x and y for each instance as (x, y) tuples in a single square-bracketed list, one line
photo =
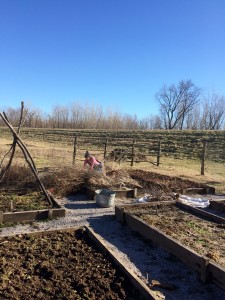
[(59, 265), (205, 237), (155, 182)]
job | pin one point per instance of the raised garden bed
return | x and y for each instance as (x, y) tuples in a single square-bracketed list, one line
[(65, 264), (209, 213), (23, 207), (123, 193), (218, 205), (198, 242), (158, 183)]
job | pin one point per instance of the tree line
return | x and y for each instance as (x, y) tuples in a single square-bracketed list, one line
[(182, 106)]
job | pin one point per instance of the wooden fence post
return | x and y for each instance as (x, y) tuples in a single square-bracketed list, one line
[(74, 149), (105, 148), (204, 144), (132, 154), (205, 274), (158, 153)]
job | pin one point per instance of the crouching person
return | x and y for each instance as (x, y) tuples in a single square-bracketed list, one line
[(92, 162)]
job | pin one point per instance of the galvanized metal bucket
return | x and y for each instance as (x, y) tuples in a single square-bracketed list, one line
[(105, 197)]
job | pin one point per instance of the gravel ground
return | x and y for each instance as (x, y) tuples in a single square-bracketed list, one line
[(148, 262)]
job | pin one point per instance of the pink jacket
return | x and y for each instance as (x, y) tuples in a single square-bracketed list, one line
[(91, 161)]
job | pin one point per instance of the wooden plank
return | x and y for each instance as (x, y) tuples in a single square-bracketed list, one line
[(25, 216), (218, 205), (119, 213), (134, 280), (205, 273), (35, 215), (128, 193), (153, 202), (185, 254), (217, 274), (208, 270), (200, 212), (203, 190)]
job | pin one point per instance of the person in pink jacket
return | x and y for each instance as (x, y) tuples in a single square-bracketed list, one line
[(92, 162)]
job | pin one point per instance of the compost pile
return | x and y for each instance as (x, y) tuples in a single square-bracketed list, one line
[(204, 236), (59, 265)]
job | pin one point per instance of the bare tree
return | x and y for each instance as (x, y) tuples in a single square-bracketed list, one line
[(176, 102), (213, 114), (193, 118), (190, 99)]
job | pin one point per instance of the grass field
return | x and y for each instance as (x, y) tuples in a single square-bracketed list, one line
[(181, 144), (48, 154)]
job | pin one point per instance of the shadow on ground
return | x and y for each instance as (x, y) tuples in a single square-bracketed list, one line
[(153, 262), (81, 205)]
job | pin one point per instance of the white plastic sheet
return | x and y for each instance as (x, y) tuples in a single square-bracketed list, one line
[(142, 199), (195, 202)]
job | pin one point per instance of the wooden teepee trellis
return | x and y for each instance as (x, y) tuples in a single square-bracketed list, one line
[(18, 141)]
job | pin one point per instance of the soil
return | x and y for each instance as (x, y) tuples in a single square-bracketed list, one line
[(55, 280), (205, 237), (149, 263), (156, 183), (59, 265), (20, 201)]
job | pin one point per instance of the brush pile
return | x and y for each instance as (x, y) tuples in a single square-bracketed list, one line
[(17, 177), (69, 180)]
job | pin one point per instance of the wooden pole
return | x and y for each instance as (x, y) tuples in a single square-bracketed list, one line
[(13, 146), (105, 148), (132, 154), (27, 156), (158, 153), (204, 144), (205, 273), (74, 149)]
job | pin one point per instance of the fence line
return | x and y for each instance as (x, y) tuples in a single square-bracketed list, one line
[(130, 152), (138, 146)]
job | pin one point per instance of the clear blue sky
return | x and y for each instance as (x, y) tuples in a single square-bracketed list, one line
[(115, 53)]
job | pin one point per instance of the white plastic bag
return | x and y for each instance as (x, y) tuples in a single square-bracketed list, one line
[(195, 202)]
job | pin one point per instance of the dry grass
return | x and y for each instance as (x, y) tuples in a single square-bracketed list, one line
[(68, 180), (48, 155)]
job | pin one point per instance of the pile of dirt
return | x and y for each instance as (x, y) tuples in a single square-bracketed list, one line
[(156, 182), (59, 265)]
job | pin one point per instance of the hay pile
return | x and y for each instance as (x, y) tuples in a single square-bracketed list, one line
[(69, 180), (18, 177), (120, 178)]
